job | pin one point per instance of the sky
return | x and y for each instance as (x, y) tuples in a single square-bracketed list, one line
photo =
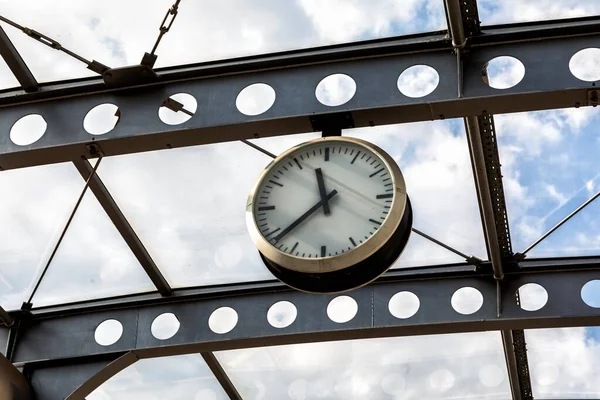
[(548, 158)]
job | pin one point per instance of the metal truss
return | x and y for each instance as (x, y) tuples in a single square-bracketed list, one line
[(51, 352)]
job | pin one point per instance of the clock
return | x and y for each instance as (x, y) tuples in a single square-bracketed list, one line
[(330, 214)]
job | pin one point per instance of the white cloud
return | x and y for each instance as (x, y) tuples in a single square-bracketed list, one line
[(555, 194), (503, 11), (564, 363)]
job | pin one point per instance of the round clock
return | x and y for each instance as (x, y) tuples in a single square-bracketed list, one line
[(330, 215)]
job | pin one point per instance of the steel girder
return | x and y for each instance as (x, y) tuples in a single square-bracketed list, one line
[(54, 340), (375, 67)]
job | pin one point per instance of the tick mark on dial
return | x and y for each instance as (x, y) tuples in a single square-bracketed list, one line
[(275, 183), (297, 163), (375, 222), (326, 153), (294, 248), (272, 232), (353, 242), (323, 250), (266, 208), (385, 196), (354, 159), (367, 160), (376, 172)]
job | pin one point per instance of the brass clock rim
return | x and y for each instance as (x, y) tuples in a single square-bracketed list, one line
[(344, 260)]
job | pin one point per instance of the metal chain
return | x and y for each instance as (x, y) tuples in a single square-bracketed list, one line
[(40, 37)]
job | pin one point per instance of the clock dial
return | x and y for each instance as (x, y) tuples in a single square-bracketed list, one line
[(324, 199)]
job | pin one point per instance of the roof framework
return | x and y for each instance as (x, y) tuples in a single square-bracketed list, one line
[(55, 344)]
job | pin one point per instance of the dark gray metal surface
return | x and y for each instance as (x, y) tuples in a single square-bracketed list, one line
[(74, 380), (16, 64), (118, 219), (72, 336), (548, 83)]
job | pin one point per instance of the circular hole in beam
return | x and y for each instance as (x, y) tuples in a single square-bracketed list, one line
[(585, 64), (418, 81), (177, 109), (255, 99), (590, 293), (223, 320), (404, 305), (467, 300), (101, 119), (532, 297), (108, 332), (503, 72), (342, 309), (165, 326), (28, 130), (335, 90), (282, 314)]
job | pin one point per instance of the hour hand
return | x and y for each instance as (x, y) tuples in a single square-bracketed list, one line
[(322, 191)]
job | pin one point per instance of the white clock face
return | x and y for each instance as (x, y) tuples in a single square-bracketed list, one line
[(324, 199)]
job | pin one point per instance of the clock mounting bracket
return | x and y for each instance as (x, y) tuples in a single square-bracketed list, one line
[(332, 124)]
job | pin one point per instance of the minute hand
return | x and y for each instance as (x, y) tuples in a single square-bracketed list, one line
[(303, 216)]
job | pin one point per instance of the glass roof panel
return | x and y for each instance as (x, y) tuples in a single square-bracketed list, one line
[(550, 167), (434, 159), (564, 363), (459, 366), (35, 204), (93, 261), (188, 208), (508, 11), (204, 30), (176, 377)]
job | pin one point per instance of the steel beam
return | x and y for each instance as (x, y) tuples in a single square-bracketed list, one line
[(13, 385), (547, 84), (16, 64), (118, 219), (70, 335)]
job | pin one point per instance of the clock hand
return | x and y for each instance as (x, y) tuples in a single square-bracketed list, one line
[(322, 191), (303, 217)]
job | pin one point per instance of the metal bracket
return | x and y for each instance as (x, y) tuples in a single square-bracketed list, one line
[(332, 124), (93, 151), (148, 60), (129, 76)]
